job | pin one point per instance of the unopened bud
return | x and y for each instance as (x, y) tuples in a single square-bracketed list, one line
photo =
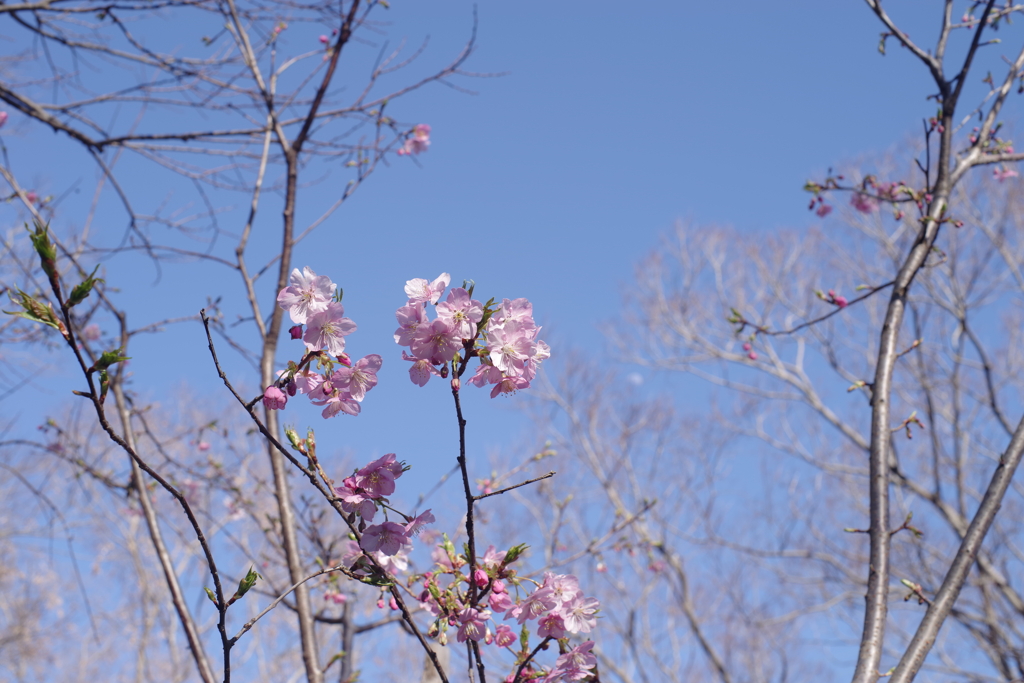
[(295, 332), (456, 383)]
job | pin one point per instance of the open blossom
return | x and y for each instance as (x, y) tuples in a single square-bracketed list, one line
[(328, 329), (823, 210), (509, 346), (339, 403), (579, 614), (574, 665), (472, 624), (388, 538), (551, 626), (436, 342), (863, 202), (409, 320), (378, 478), (419, 290), (418, 142), (509, 385), (460, 312), (358, 379), (504, 635), (540, 602), (1001, 173), (417, 524), (274, 398), (306, 294), (355, 500), (421, 369)]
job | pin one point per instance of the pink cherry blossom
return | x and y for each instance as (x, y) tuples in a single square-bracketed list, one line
[(436, 342), (841, 301), (378, 478), (337, 597), (418, 142), (324, 39), (274, 398), (509, 346), (500, 602), (574, 665), (504, 635), (460, 312), (307, 293), (336, 404), (409, 319), (328, 329), (579, 614), (863, 202), (358, 379), (509, 385), (388, 538), (823, 210), (485, 374), (551, 626), (540, 602), (421, 369), (1003, 172), (355, 500), (416, 525), (419, 290), (472, 624)]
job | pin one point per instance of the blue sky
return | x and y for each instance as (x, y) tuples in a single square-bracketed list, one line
[(549, 183)]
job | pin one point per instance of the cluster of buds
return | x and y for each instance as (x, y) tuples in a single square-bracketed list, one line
[(832, 298), (340, 386), (503, 337), (555, 609)]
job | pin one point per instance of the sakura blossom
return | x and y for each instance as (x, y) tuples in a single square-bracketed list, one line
[(418, 142), (419, 290), (307, 293), (421, 369), (358, 379), (436, 342), (823, 210), (504, 635), (328, 329), (460, 313), (863, 203), (274, 398), (388, 538), (472, 624), (409, 320), (1001, 173)]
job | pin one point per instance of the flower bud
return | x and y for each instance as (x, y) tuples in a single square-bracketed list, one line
[(456, 383), (480, 578), (295, 332), (292, 388), (274, 398)]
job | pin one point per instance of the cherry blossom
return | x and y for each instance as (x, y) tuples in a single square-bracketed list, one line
[(460, 312), (421, 369), (419, 290), (1001, 173), (504, 635), (274, 398), (436, 342), (358, 379), (472, 624), (418, 142), (328, 329), (306, 294), (863, 203), (409, 319), (388, 538)]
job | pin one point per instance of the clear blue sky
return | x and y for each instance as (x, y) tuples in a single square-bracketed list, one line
[(612, 121)]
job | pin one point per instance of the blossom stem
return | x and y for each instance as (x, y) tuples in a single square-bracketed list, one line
[(470, 532)]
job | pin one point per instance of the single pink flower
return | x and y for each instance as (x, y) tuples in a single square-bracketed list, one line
[(416, 525), (358, 379), (388, 538), (421, 369), (419, 289), (328, 329), (337, 597), (274, 398), (436, 342), (752, 355), (509, 385), (472, 624), (863, 202), (841, 301), (823, 210), (460, 312), (579, 614), (500, 602), (551, 626), (306, 294), (418, 142), (504, 635), (203, 446), (509, 346), (485, 374), (409, 320), (324, 39), (31, 196), (1002, 173)]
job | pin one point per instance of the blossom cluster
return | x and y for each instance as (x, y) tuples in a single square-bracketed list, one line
[(556, 608), (418, 141), (503, 337), (311, 302)]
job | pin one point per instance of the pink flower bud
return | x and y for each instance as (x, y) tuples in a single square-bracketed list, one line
[(840, 301), (380, 604), (498, 586), (393, 604), (295, 332), (3, 118), (292, 388), (31, 196), (456, 383), (323, 39), (480, 578), (752, 355), (274, 398), (601, 567), (747, 346), (203, 446), (345, 360)]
